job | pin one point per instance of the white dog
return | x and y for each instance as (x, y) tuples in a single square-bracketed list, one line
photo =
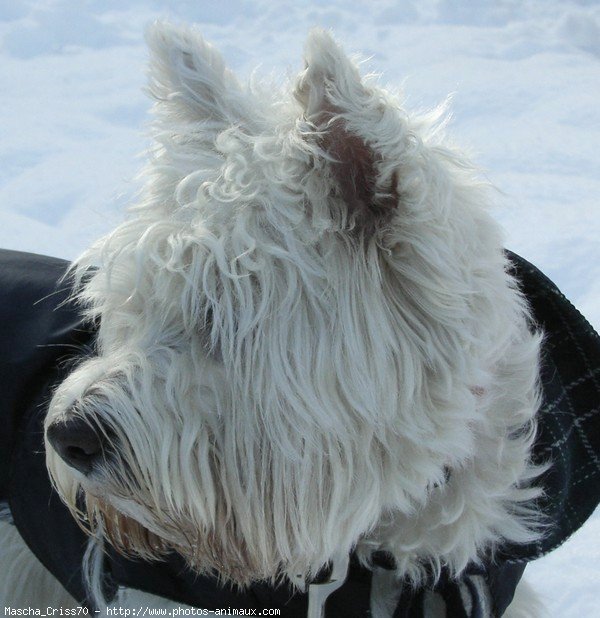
[(309, 346)]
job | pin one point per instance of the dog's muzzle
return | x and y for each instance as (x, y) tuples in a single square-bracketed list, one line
[(78, 443)]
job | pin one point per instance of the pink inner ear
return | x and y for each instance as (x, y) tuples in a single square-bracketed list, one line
[(328, 91), (354, 166), (354, 169)]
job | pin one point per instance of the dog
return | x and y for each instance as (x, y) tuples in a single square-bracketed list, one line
[(304, 362)]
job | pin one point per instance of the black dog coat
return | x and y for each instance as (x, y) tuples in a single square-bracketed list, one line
[(42, 335)]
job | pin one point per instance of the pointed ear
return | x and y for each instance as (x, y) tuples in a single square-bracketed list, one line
[(190, 81), (346, 119)]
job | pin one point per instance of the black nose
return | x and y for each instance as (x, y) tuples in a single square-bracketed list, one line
[(77, 442)]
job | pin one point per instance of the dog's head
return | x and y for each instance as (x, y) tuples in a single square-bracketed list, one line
[(307, 341)]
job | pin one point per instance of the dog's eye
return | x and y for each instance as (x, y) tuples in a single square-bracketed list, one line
[(207, 339), (447, 475), (208, 319)]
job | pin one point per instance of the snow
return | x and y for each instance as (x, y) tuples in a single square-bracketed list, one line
[(525, 78)]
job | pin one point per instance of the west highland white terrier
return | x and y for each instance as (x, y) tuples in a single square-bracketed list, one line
[(305, 348)]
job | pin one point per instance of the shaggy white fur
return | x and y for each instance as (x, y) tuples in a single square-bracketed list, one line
[(308, 341)]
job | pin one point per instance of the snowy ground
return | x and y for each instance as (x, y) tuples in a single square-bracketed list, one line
[(526, 81)]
